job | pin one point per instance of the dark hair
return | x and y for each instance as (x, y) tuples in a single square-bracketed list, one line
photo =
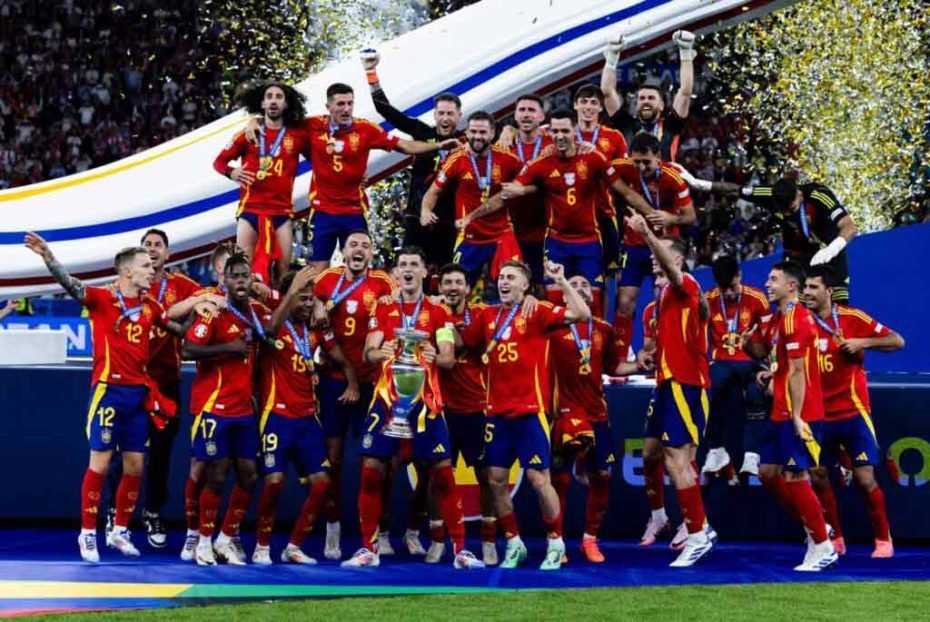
[(793, 270), (678, 246), (644, 142), (482, 115), (223, 249), (564, 113), (238, 258), (784, 192), (522, 267), (158, 232), (725, 269), (448, 97), (286, 281), (824, 272), (251, 94), (654, 85), (449, 268), (338, 88), (354, 232), (533, 97), (126, 255), (588, 91), (412, 249)]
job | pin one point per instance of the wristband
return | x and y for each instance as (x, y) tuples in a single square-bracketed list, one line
[(372, 76), (445, 335)]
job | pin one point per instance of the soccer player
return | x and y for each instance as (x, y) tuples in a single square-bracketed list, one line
[(430, 444), (517, 376), (580, 354), (844, 334), (439, 238), (678, 409), (668, 196), (117, 417), (348, 294), (791, 446), (339, 147), (289, 427), (569, 182), (225, 428), (815, 227), (652, 116), (734, 308), (477, 172), (266, 174)]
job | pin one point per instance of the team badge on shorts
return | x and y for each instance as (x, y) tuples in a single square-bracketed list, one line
[(106, 435), (367, 441), (269, 461), (211, 448)]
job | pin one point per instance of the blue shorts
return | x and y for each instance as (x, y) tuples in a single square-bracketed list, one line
[(780, 445), (117, 419), (610, 238), (466, 431), (287, 439), (635, 265), (215, 438), (856, 435), (252, 219), (430, 440), (474, 257), (677, 414), (337, 418), (326, 231), (579, 258), (533, 255), (525, 439)]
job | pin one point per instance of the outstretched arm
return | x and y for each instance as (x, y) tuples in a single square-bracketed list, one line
[(659, 250), (75, 288), (609, 75), (685, 42), (577, 309), (415, 147)]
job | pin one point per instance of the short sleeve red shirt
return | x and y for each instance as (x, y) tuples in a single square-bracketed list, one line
[(665, 191), (741, 314), (578, 387), (681, 335), (286, 376), (528, 214), (793, 335), (612, 144), (463, 387), (165, 348)]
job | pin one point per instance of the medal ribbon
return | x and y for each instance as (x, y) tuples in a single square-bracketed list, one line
[(584, 345), (264, 156), (255, 324), (833, 330), (338, 296), (653, 201), (501, 328), (127, 312), (411, 321), (537, 146), (774, 356), (483, 182), (597, 132), (734, 324), (162, 289), (301, 344)]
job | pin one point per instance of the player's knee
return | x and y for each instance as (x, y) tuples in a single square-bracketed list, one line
[(320, 477), (538, 479), (274, 478), (865, 478), (820, 478)]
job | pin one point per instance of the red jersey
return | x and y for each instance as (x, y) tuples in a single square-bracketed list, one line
[(612, 144), (273, 195), (463, 170), (570, 188), (340, 159), (681, 335), (578, 387), (121, 344), (286, 376), (223, 384), (842, 375), (463, 389), (165, 348), (349, 318), (793, 335), (517, 364), (430, 318), (528, 214), (730, 318), (649, 321), (665, 190)]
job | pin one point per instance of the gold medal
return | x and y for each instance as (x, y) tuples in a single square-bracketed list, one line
[(485, 358), (279, 344), (774, 368), (329, 148), (260, 175)]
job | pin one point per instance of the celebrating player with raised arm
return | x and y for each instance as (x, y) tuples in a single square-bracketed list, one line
[(844, 334), (678, 409), (411, 310), (518, 398), (477, 172), (118, 417)]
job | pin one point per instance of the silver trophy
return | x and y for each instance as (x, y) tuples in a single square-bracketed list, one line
[(409, 376)]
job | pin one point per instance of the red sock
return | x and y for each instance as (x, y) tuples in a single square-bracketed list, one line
[(830, 512), (239, 502), (779, 487), (450, 505), (808, 508), (317, 496), (697, 470), (562, 481), (555, 296), (209, 508), (488, 529), (267, 506), (596, 300), (509, 525), (692, 507), (875, 502), (623, 327), (192, 490), (370, 505), (553, 525), (91, 489), (598, 497), (331, 509), (654, 478), (126, 496)]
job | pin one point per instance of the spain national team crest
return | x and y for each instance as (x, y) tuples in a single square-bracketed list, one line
[(368, 298), (353, 141), (582, 170), (495, 173), (467, 484), (288, 143), (146, 312), (520, 324), (424, 318), (603, 144), (569, 179), (351, 306), (598, 339), (170, 298), (744, 316)]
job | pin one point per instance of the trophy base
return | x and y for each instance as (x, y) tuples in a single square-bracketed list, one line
[(398, 428)]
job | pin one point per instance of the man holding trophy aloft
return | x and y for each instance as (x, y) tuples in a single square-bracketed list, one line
[(410, 337)]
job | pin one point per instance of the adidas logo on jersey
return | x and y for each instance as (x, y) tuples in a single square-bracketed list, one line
[(554, 174), (535, 459), (394, 313), (234, 329)]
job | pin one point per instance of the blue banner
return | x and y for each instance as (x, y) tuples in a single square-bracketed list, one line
[(77, 329)]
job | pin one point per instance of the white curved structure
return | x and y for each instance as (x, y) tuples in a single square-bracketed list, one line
[(487, 53)]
